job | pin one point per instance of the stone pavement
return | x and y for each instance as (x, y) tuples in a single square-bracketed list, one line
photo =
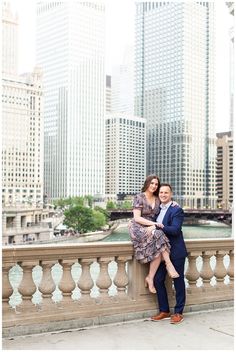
[(205, 330)]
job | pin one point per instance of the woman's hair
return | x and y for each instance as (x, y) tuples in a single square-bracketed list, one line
[(148, 182)]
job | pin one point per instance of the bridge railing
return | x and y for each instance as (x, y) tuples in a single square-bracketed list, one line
[(94, 283)]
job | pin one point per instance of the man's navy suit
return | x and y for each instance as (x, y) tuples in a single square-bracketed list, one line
[(172, 222)]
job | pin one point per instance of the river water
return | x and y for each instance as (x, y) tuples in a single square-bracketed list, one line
[(213, 230), (120, 234)]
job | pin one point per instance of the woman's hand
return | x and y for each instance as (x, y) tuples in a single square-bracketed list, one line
[(175, 204), (149, 229)]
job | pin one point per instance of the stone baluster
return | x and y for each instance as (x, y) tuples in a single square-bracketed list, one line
[(27, 286), (85, 282), (192, 274), (206, 272), (220, 270), (104, 281), (47, 285), (230, 269), (121, 279), (7, 289), (67, 284)]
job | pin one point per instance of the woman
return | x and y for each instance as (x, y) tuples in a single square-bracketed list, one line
[(150, 246)]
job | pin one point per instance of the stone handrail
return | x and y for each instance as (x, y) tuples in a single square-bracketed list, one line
[(206, 283)]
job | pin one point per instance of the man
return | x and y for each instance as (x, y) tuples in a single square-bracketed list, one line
[(172, 219)]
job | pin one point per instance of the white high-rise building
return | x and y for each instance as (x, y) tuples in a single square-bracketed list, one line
[(175, 90), (70, 49), (122, 84), (232, 53), (22, 123), (9, 40), (125, 154)]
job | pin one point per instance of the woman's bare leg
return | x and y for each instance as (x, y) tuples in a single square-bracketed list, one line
[(154, 265), (169, 266)]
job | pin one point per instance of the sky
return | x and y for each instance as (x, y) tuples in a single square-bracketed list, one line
[(120, 33)]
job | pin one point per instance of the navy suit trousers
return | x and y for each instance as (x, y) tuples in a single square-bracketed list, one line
[(179, 284)]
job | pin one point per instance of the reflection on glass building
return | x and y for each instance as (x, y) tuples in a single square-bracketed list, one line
[(174, 83)]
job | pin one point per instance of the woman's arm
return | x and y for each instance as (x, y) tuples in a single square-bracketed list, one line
[(140, 220)]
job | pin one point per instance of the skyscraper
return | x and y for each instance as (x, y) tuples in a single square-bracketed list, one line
[(22, 123), (70, 49), (9, 40), (231, 11), (122, 84), (174, 79)]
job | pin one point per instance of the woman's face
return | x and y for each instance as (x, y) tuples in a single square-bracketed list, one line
[(153, 185)]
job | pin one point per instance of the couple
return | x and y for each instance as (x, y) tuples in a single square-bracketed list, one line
[(156, 235)]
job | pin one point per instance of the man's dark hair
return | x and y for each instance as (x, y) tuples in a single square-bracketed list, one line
[(166, 185)]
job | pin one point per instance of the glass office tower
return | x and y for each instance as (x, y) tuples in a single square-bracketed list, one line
[(174, 91), (71, 50)]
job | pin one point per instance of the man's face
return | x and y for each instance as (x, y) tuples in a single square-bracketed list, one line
[(165, 194)]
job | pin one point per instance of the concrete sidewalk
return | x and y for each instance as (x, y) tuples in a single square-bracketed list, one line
[(208, 330)]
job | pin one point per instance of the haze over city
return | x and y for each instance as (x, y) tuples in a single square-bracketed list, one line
[(120, 34)]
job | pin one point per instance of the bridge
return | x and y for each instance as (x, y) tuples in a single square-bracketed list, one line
[(220, 215)]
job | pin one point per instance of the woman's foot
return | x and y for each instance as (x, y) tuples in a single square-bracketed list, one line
[(149, 283), (171, 270)]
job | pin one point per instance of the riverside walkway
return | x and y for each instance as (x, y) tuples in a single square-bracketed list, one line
[(205, 330)]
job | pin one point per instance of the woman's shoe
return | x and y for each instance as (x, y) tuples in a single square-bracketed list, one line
[(150, 285), (171, 271)]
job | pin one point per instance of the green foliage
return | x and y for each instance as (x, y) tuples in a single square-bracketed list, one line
[(110, 205), (89, 199), (103, 211), (84, 219), (79, 218), (99, 219), (62, 203), (127, 204)]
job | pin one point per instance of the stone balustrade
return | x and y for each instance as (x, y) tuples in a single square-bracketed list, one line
[(91, 295)]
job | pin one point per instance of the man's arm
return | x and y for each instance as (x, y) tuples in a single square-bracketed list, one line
[(176, 223)]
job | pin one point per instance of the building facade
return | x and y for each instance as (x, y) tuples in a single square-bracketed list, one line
[(122, 85), (125, 154), (9, 40), (70, 49), (174, 91), (224, 170), (22, 124), (108, 94), (231, 11)]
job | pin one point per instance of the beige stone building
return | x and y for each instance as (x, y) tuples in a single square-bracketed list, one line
[(224, 171), (22, 124), (125, 156), (26, 224)]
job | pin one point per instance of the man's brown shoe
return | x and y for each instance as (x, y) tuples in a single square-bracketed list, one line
[(161, 316), (176, 318)]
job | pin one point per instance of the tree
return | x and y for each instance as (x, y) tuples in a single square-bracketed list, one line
[(99, 219), (84, 219), (127, 204), (80, 218), (103, 211), (110, 205)]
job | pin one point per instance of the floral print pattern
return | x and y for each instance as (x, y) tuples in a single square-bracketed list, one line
[(147, 246)]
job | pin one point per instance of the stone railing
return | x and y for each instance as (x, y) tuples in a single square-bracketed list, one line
[(80, 285)]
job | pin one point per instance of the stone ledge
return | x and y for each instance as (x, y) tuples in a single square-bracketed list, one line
[(82, 323)]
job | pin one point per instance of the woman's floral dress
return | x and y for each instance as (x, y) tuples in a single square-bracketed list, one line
[(147, 246)]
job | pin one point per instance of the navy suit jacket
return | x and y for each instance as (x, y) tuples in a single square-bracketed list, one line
[(172, 222)]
